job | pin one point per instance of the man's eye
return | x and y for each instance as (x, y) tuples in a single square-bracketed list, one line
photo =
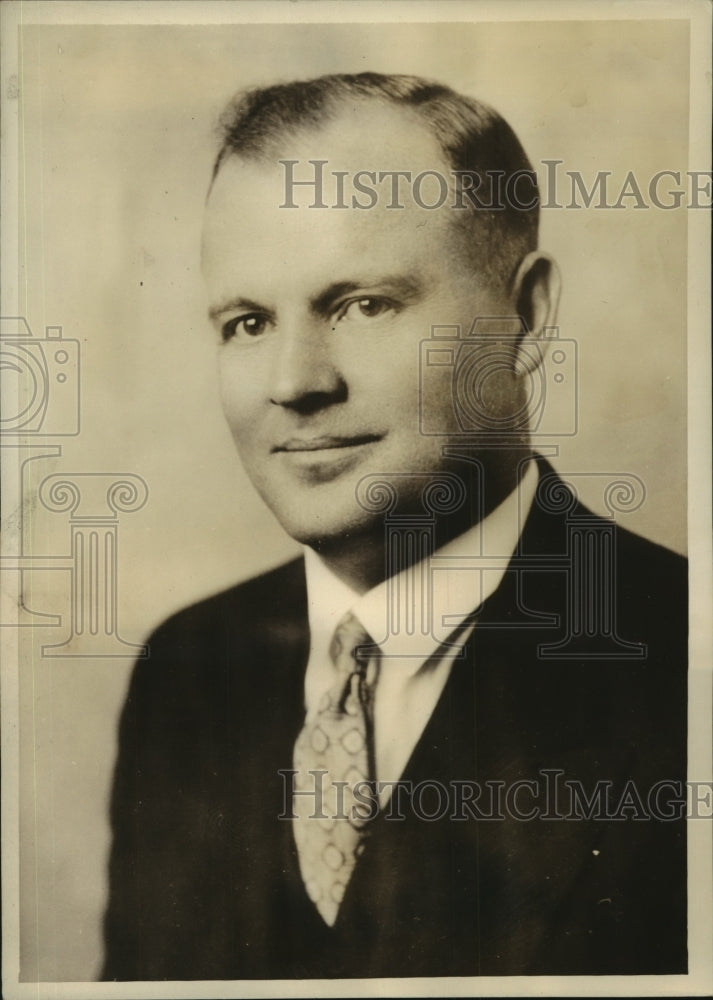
[(244, 327), (368, 307)]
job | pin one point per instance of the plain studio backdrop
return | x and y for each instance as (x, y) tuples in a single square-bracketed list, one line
[(116, 148)]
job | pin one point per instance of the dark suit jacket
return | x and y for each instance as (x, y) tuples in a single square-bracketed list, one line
[(204, 879)]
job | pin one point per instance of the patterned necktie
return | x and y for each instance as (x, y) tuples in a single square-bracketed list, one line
[(338, 741)]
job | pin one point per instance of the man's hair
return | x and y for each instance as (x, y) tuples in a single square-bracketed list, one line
[(474, 138)]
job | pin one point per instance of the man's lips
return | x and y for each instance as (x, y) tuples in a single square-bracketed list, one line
[(327, 442)]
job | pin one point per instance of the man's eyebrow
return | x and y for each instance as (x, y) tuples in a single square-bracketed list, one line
[(229, 305), (403, 286)]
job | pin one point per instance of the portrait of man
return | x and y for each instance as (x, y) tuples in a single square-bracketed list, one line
[(351, 458), (265, 738)]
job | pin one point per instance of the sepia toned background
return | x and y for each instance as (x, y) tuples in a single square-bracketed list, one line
[(116, 150)]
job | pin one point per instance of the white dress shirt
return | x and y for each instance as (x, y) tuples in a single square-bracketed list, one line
[(430, 603)]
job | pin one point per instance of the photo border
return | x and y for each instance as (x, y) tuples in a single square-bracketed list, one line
[(699, 980)]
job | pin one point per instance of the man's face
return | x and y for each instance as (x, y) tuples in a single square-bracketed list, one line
[(321, 313)]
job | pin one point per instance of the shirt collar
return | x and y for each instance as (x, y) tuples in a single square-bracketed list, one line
[(455, 586)]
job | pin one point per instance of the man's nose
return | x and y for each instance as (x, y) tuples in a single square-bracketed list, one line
[(304, 374)]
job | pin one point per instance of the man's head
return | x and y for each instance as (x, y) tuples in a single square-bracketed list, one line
[(322, 310), (478, 146)]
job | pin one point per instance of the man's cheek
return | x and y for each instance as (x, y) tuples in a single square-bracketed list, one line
[(241, 408)]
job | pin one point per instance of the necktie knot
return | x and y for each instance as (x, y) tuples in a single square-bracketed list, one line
[(355, 656), (346, 649)]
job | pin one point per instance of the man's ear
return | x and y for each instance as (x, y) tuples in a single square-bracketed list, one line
[(536, 292)]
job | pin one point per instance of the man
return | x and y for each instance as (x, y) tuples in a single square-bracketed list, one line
[(461, 630)]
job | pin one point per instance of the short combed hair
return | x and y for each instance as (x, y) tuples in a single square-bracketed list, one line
[(474, 138)]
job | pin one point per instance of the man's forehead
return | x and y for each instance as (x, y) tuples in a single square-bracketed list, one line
[(302, 204), (247, 221)]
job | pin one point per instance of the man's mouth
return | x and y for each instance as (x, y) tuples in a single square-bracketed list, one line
[(326, 442), (325, 457)]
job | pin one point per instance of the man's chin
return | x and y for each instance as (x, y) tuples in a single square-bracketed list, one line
[(328, 534)]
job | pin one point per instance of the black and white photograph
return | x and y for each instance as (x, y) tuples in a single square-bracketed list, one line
[(356, 453)]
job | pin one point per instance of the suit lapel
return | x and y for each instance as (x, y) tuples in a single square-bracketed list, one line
[(488, 882)]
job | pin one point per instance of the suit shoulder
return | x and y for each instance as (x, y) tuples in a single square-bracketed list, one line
[(260, 621), (556, 513), (652, 563), (276, 594), (651, 599)]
